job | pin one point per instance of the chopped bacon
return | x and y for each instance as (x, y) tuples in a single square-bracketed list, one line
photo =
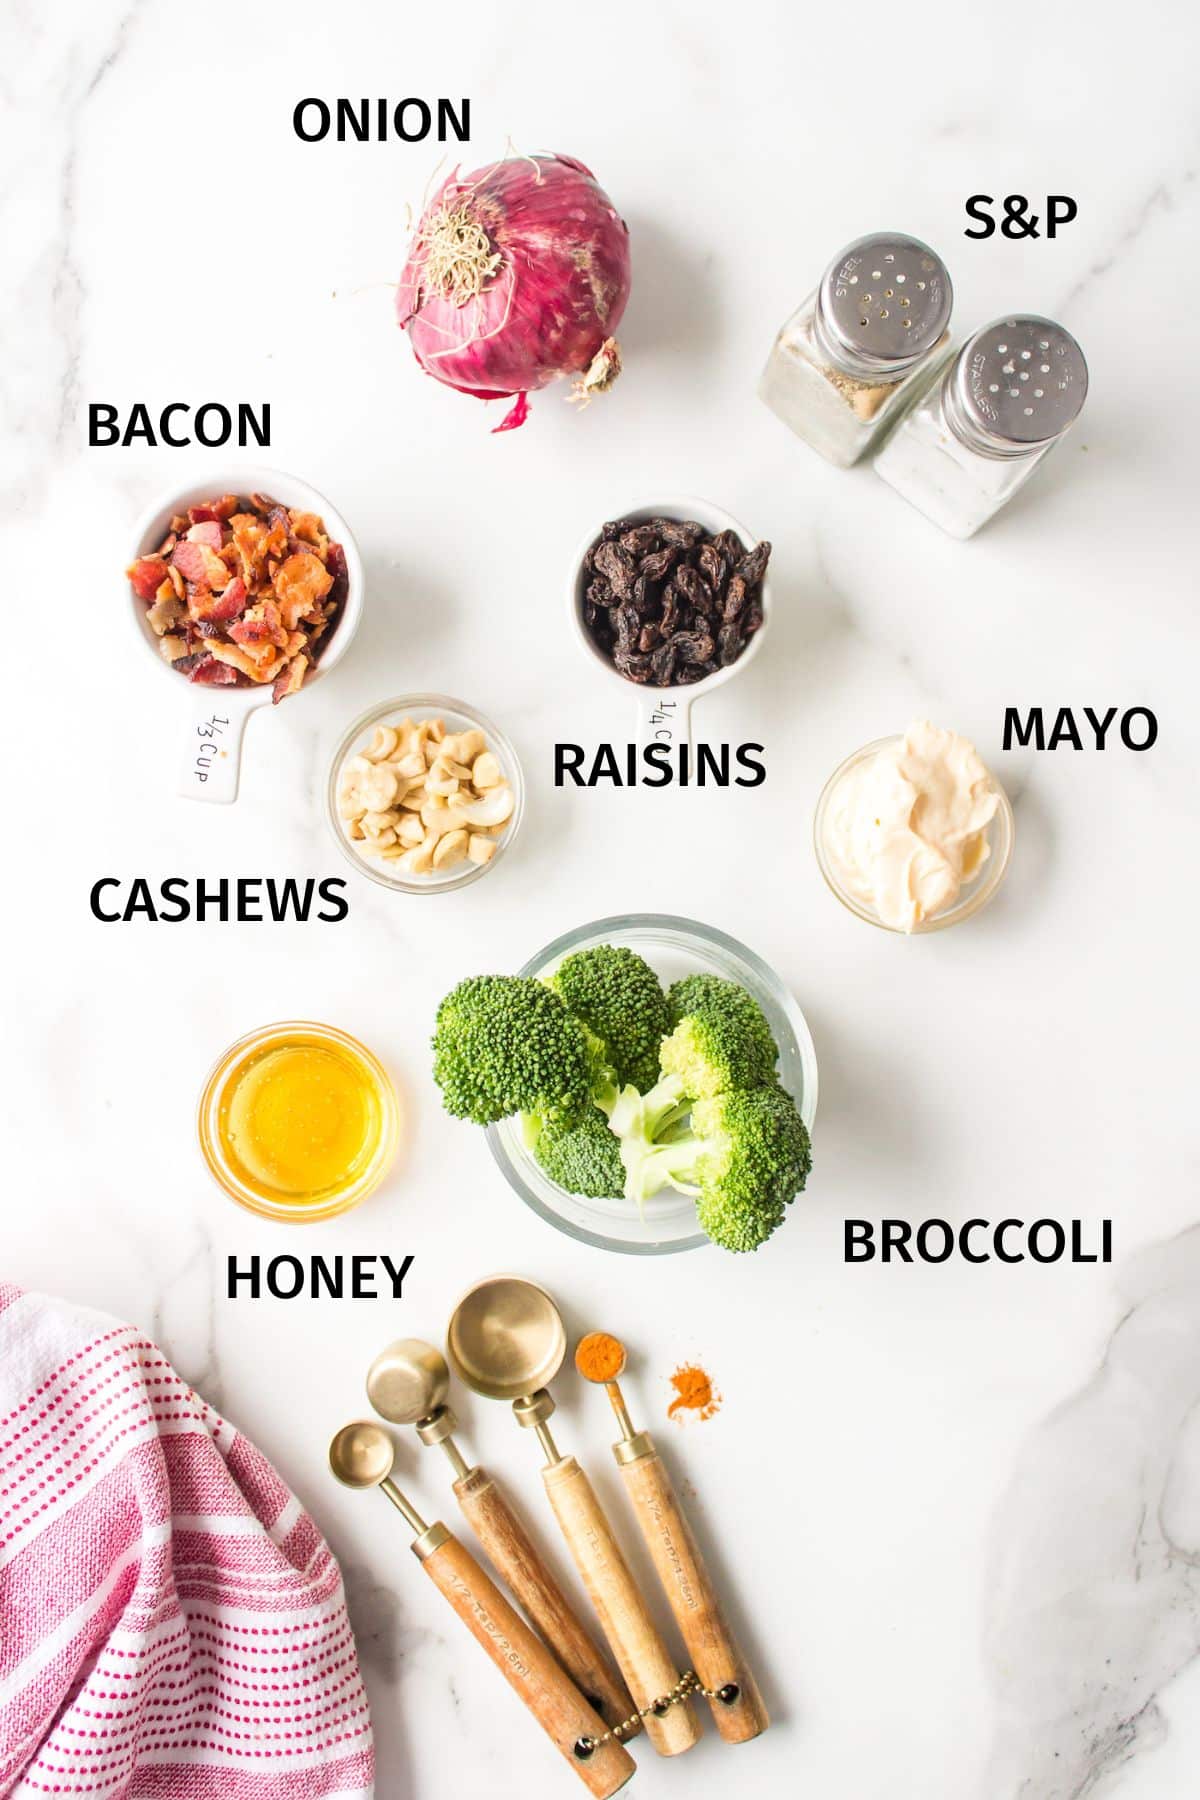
[(146, 575), (335, 562), (211, 673), (307, 532), (261, 662), (205, 531), (218, 609), (291, 679), (232, 603), (200, 514), (252, 631), (260, 625), (302, 580), (196, 562), (165, 613)]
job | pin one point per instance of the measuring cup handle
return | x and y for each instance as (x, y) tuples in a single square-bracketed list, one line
[(211, 752), (518, 1562), (528, 1667), (641, 1655), (664, 716), (680, 1567)]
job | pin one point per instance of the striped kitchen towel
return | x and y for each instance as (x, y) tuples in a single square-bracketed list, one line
[(172, 1624)]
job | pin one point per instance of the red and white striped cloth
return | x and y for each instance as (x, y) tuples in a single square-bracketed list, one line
[(172, 1624)]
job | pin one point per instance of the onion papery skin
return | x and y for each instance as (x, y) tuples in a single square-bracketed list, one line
[(555, 297)]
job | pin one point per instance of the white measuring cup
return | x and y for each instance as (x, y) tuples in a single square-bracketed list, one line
[(664, 713), (214, 718)]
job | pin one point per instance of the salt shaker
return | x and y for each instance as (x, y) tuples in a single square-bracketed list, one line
[(852, 354), (979, 433)]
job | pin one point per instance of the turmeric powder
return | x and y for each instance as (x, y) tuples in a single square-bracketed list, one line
[(599, 1356), (694, 1392)]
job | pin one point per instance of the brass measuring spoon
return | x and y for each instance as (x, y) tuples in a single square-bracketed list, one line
[(407, 1384), (737, 1705), (507, 1341), (361, 1456)]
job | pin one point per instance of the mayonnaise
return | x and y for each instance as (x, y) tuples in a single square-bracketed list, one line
[(906, 827)]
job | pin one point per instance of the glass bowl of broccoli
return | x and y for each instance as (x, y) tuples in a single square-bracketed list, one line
[(665, 1217)]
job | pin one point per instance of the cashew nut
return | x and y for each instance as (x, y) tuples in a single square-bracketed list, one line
[(379, 788), (451, 848), (492, 808), (463, 746), (440, 781), (419, 860), (383, 744), (485, 771), (380, 841)]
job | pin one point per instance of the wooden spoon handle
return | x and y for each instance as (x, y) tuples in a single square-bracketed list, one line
[(528, 1667), (642, 1657), (517, 1561), (711, 1645)]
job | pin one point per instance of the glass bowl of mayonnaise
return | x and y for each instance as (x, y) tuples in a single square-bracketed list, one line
[(913, 833)]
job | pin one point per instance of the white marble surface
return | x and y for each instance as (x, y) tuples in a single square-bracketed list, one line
[(958, 1517)]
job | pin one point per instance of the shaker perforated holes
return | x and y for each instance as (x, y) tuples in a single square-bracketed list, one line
[(999, 385), (883, 302)]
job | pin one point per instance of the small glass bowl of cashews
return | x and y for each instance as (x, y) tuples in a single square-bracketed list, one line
[(425, 794)]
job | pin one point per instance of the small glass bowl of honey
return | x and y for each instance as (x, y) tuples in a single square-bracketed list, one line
[(298, 1121)]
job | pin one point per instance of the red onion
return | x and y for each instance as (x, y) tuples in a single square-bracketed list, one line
[(517, 274)]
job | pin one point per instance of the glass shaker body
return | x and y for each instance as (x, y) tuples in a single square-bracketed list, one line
[(976, 437), (855, 352)]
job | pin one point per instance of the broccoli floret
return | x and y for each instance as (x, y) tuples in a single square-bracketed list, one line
[(756, 1159), (583, 1158), (745, 1155), (505, 1044), (721, 1039), (617, 996)]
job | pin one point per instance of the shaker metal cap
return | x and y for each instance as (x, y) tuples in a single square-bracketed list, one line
[(885, 300), (1021, 380)]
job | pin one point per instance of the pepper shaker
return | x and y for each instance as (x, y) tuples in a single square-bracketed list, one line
[(855, 351), (977, 435)]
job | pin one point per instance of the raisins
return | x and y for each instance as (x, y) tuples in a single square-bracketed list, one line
[(656, 566), (640, 540), (735, 599), (617, 567), (711, 565), (754, 565), (670, 604), (693, 646)]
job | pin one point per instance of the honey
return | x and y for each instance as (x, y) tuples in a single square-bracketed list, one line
[(298, 1121)]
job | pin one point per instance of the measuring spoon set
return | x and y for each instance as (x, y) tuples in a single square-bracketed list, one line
[(507, 1341)]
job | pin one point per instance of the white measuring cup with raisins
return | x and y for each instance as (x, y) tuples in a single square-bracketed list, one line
[(670, 651), (189, 627)]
